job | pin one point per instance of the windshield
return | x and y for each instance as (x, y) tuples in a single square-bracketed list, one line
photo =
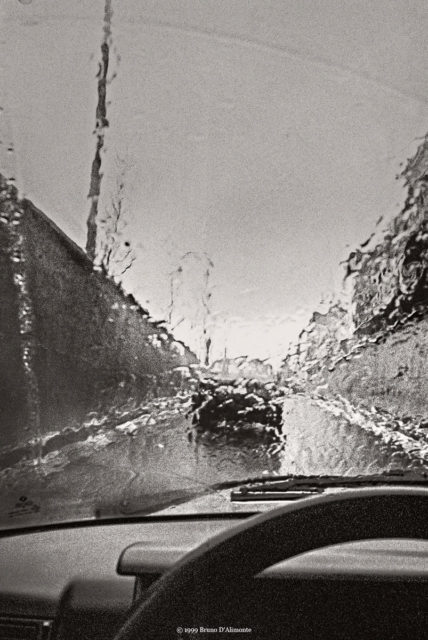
[(213, 248)]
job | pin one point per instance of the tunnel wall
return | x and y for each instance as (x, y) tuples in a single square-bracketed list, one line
[(94, 349)]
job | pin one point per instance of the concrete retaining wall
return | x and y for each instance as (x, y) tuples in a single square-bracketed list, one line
[(392, 376), (71, 342)]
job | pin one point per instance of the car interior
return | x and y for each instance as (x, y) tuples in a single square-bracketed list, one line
[(351, 565)]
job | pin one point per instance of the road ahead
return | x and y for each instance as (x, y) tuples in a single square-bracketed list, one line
[(124, 468)]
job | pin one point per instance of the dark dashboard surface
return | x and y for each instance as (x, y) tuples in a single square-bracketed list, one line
[(72, 572), (37, 566)]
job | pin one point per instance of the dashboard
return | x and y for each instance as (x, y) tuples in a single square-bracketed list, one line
[(79, 581)]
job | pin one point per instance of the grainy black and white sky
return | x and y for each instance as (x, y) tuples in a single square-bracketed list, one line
[(267, 134)]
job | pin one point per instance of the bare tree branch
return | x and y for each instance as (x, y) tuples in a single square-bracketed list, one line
[(116, 255)]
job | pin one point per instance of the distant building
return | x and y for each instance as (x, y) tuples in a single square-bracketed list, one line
[(324, 338), (242, 367)]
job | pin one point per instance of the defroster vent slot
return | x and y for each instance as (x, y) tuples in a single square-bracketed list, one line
[(24, 629)]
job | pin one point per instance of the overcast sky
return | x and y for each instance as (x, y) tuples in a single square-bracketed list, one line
[(267, 134)]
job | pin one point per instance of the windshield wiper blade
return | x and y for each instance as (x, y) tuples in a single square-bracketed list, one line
[(296, 487)]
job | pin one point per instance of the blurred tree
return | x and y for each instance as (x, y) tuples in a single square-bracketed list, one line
[(190, 306), (115, 253)]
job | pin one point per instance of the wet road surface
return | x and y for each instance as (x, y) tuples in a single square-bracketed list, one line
[(123, 470)]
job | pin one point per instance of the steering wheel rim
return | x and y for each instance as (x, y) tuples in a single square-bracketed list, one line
[(243, 551)]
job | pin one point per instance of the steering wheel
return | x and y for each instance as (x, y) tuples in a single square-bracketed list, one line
[(238, 554)]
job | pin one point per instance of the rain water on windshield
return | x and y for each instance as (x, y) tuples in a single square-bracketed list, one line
[(213, 247)]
